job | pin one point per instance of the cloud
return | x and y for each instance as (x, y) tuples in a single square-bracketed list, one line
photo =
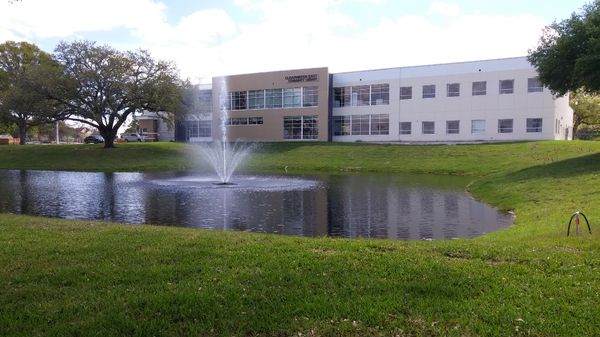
[(269, 35)]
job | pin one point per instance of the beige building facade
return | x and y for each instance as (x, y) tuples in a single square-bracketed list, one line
[(273, 106)]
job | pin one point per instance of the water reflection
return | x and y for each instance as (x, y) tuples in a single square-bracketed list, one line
[(395, 207)]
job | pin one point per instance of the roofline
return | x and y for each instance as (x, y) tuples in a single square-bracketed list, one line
[(273, 71), (433, 64)]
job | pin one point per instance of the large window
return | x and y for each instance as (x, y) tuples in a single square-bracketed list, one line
[(273, 98), (361, 95), (360, 124), (534, 125), (196, 129), (310, 96), (239, 100), (292, 97), (256, 99), (342, 126), (405, 128), (505, 126), (428, 128), (380, 124), (405, 92), (507, 87), (429, 91), (534, 85), (300, 127), (380, 94), (452, 127), (479, 88), (478, 126), (341, 97), (453, 89)]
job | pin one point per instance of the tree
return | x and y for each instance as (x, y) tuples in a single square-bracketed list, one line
[(110, 85), (567, 57), (24, 70), (586, 109)]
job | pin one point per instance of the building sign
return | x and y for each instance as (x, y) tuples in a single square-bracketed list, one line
[(303, 78)]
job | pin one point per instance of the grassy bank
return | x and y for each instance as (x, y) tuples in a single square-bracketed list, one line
[(74, 278)]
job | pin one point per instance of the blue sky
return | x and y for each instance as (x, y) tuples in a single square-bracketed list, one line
[(211, 38)]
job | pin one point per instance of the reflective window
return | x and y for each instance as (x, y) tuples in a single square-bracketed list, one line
[(452, 127), (380, 124), (292, 97), (478, 126), (428, 128), (405, 92), (342, 126), (479, 88), (256, 99), (380, 94), (453, 89), (360, 125), (507, 86), (534, 125), (405, 128), (239, 100), (300, 127), (361, 95), (505, 126), (429, 91), (273, 98), (341, 97), (534, 85), (310, 96)]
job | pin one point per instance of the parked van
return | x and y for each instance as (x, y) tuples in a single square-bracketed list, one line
[(133, 137)]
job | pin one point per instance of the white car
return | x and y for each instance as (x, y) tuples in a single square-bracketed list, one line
[(133, 137)]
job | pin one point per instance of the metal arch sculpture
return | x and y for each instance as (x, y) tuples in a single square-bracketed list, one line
[(576, 217)]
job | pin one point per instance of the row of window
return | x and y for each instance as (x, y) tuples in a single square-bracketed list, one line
[(379, 94), (478, 126), (244, 121), (197, 129), (272, 98), (376, 124), (301, 127), (361, 95)]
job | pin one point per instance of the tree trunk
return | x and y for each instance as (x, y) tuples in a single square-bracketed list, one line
[(109, 136), (22, 133)]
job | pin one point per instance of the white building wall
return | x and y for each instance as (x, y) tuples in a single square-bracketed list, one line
[(518, 106)]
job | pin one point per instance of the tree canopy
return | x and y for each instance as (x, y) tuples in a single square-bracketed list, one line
[(567, 57), (108, 86), (586, 110), (24, 73)]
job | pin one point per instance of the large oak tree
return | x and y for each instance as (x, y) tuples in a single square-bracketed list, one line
[(108, 86), (25, 71), (567, 57)]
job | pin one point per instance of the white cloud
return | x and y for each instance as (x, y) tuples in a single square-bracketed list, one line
[(444, 8), (269, 35)]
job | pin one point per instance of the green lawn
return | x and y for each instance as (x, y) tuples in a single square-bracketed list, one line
[(82, 278)]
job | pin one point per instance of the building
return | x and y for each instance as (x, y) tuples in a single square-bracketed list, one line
[(489, 100)]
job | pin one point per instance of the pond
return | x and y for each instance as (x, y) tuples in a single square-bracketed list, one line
[(352, 206)]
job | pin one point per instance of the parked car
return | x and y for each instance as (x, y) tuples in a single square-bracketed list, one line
[(133, 137), (93, 139)]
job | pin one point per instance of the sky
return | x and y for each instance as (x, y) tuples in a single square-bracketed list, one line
[(207, 38)]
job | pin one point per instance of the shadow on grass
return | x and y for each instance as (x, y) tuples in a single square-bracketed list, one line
[(561, 169)]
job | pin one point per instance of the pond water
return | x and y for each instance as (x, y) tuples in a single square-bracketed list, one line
[(370, 206)]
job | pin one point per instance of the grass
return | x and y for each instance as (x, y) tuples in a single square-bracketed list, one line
[(82, 278)]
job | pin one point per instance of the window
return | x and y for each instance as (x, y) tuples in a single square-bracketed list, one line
[(453, 89), (342, 126), (507, 86), (452, 127), (405, 92), (310, 96), (273, 98), (292, 97), (204, 128), (505, 126), (380, 124), (429, 91), (479, 88), (428, 128), (361, 95), (380, 94), (237, 121), (478, 126), (534, 125), (341, 97), (405, 128), (300, 127), (534, 85), (360, 124), (255, 120), (239, 100), (256, 99)]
